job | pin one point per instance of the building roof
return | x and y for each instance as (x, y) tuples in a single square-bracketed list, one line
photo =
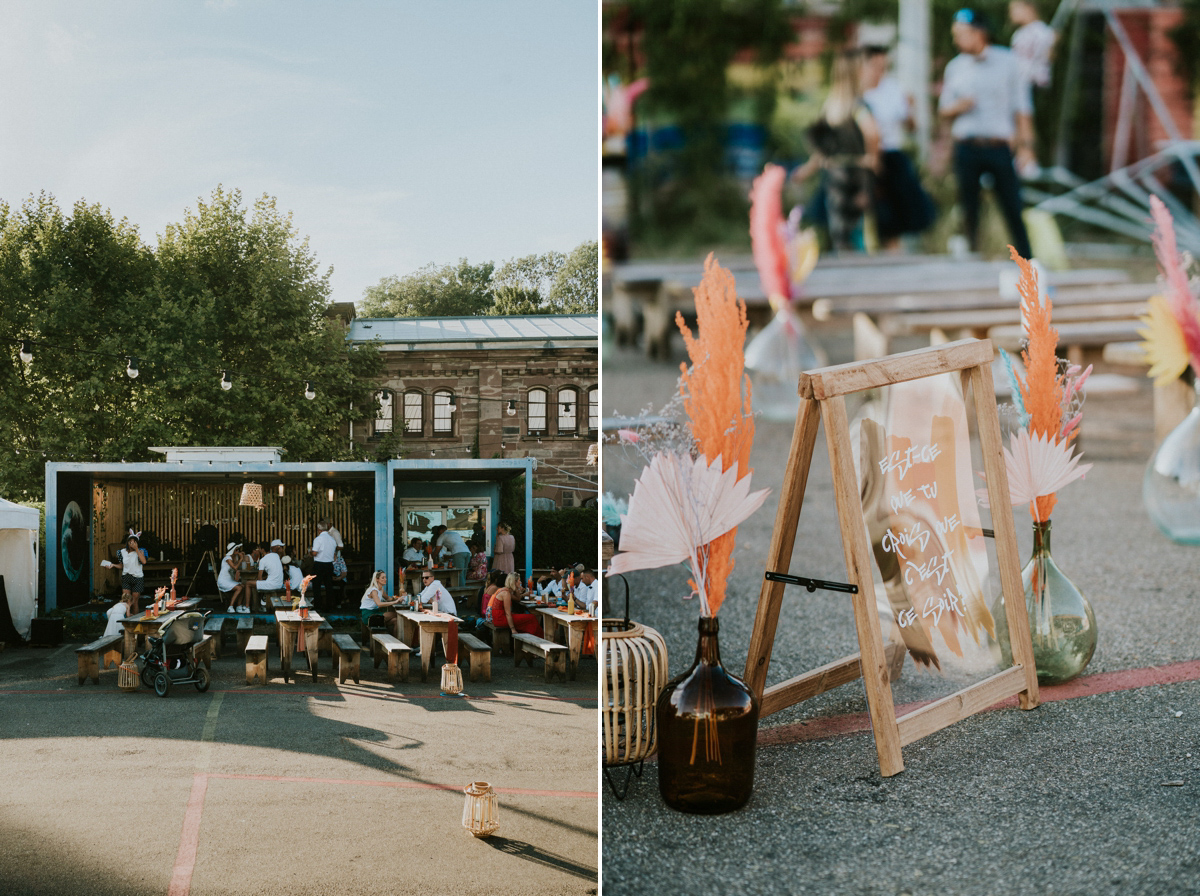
[(537, 330)]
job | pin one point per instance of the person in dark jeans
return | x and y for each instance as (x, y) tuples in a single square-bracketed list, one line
[(987, 102), (324, 550)]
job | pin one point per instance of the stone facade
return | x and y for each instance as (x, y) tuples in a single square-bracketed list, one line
[(552, 385)]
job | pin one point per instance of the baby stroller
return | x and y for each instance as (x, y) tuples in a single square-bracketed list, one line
[(170, 658)]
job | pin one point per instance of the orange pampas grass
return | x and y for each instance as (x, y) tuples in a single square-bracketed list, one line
[(716, 396), (1042, 391)]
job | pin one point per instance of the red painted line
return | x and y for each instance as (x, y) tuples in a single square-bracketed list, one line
[(189, 839), (1084, 686), (279, 692), (403, 785)]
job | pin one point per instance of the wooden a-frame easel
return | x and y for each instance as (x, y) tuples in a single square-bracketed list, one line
[(822, 398)]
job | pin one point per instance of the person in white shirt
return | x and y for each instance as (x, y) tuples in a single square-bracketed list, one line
[(412, 553), (116, 613), (324, 549), (587, 591), (452, 545), (1033, 46), (270, 568), (434, 594), (129, 560), (293, 574)]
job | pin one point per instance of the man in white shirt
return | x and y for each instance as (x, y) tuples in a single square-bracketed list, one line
[(324, 549), (435, 596), (452, 544), (987, 103), (588, 590), (270, 569), (412, 553)]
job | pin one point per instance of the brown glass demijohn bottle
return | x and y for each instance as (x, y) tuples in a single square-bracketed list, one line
[(707, 730)]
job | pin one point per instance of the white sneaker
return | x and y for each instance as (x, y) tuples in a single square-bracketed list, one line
[(243, 610), (231, 610)]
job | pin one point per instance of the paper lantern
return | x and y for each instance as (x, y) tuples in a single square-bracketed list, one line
[(252, 496), (481, 814)]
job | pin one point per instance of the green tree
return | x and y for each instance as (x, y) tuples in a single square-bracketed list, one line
[(451, 290), (521, 285), (227, 290), (576, 287)]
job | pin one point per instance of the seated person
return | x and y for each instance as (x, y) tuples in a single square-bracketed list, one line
[(374, 600), (439, 600), (293, 574), (500, 609), (495, 581), (270, 568), (412, 555), (228, 578), (587, 592), (477, 570)]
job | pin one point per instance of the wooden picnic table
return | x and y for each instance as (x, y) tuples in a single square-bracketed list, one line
[(416, 627), (553, 619), (143, 625), (292, 628)]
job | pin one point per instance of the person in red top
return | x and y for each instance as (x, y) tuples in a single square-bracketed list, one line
[(500, 611)]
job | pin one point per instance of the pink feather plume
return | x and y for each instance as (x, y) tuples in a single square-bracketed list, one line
[(767, 232), (1179, 294)]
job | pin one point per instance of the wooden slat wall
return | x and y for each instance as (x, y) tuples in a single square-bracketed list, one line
[(108, 519), (175, 511)]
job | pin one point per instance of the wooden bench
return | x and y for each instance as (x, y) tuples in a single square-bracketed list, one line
[(215, 627), (396, 652), (325, 638), (256, 659), (480, 656), (203, 651), (501, 638), (346, 652), (245, 628), (89, 656), (1075, 336), (526, 646)]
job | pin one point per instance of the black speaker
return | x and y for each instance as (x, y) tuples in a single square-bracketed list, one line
[(45, 632)]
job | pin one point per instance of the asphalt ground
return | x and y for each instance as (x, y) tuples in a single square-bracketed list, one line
[(1094, 792), (293, 788)]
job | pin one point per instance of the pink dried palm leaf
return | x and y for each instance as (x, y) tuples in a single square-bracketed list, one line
[(1179, 294), (768, 232), (1037, 465), (678, 506)]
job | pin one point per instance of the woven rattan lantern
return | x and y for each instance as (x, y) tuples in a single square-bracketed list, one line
[(252, 496), (635, 671), (481, 814), (127, 675), (452, 681)]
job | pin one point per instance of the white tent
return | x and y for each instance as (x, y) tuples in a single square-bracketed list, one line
[(18, 562)]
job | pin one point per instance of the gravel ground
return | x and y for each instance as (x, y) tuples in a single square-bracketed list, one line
[(1093, 795)]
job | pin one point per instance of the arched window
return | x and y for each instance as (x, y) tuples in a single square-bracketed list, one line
[(593, 409), (414, 417), (568, 410), (383, 420), (535, 404), (443, 416)]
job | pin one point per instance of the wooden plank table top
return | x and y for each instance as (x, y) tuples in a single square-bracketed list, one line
[(292, 628), (575, 625), (142, 625), (423, 628)]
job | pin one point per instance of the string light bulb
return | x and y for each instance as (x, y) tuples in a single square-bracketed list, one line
[(512, 408), (131, 368), (452, 406), (308, 391), (281, 489), (309, 485), (226, 380), (329, 495), (26, 351)]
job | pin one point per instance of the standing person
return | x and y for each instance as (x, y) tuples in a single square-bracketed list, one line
[(987, 103), (505, 545), (1033, 45), (901, 204), (453, 547), (845, 144), (324, 549), (129, 560), (123, 608)]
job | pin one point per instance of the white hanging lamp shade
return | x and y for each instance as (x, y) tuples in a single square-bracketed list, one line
[(481, 814), (252, 496)]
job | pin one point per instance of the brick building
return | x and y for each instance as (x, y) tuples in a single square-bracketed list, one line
[(488, 387)]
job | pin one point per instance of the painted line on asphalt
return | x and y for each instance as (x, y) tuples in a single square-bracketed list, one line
[(1084, 686), (189, 841), (404, 785), (262, 692)]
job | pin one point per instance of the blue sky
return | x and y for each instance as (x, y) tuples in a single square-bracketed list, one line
[(397, 133)]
